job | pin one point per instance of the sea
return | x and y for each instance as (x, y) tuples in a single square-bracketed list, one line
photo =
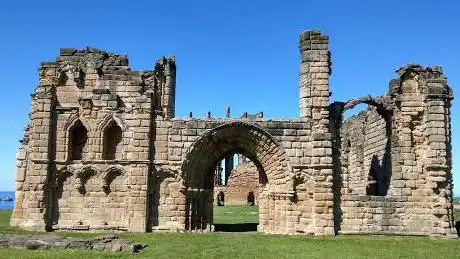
[(6, 205)]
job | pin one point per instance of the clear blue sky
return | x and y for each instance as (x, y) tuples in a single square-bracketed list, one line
[(238, 53)]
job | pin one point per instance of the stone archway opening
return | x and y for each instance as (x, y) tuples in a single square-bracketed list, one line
[(257, 145), (237, 184)]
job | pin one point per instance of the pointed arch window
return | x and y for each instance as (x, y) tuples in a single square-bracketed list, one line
[(78, 138), (113, 137)]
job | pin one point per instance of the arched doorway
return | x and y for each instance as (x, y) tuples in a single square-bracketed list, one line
[(260, 147)]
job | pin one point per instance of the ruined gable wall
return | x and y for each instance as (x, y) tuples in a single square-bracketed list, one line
[(97, 90), (108, 93)]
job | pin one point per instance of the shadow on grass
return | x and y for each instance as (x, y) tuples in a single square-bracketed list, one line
[(238, 227)]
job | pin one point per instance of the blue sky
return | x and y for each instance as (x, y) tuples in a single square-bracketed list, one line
[(242, 54)]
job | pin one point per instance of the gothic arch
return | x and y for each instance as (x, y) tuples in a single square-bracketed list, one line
[(64, 173), (111, 130), (107, 121), (83, 175), (72, 120), (109, 175), (74, 151)]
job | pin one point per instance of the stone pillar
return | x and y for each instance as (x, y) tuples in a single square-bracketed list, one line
[(165, 70), (314, 76), (137, 208), (314, 109), (439, 158), (228, 167)]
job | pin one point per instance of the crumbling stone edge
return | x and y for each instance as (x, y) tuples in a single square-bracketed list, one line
[(109, 243)]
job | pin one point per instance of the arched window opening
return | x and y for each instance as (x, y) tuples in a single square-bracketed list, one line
[(77, 141), (112, 142)]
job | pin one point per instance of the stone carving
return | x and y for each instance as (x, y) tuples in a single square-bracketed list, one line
[(104, 151)]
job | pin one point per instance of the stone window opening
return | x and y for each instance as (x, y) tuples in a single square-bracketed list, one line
[(78, 138), (113, 137)]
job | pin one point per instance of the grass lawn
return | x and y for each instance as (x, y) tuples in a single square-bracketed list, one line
[(236, 214), (252, 245)]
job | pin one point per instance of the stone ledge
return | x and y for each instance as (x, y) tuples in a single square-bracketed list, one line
[(87, 228), (313, 166)]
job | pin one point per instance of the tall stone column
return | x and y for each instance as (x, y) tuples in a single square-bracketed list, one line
[(439, 158), (314, 109), (228, 167), (165, 70)]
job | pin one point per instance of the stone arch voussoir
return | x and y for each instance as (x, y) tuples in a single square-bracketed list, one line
[(252, 141)]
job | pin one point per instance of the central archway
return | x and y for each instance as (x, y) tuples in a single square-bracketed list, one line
[(256, 144)]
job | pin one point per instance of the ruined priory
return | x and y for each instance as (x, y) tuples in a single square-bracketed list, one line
[(103, 150)]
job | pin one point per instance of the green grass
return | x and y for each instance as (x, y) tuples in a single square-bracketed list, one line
[(225, 245), (236, 214)]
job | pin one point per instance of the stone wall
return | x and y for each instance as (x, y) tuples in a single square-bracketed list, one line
[(243, 186), (103, 150), (386, 172), (85, 157), (366, 153)]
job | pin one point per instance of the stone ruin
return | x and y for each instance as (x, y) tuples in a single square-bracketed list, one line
[(109, 243), (241, 187), (104, 151)]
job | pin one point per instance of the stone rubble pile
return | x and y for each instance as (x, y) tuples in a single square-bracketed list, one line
[(109, 243)]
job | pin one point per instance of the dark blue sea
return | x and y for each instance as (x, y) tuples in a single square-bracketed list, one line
[(6, 205)]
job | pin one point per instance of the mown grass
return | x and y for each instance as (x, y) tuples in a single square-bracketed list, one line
[(236, 214), (224, 245)]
